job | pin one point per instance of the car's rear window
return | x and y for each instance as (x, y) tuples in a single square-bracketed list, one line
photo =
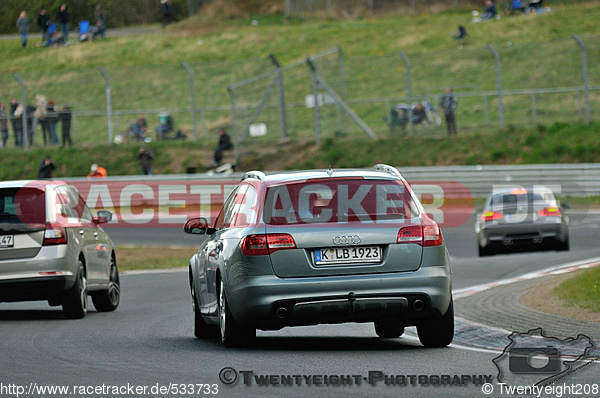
[(511, 199), (22, 205), (338, 201)]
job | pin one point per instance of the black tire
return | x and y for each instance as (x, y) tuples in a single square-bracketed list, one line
[(75, 299), (562, 246), (232, 335), (438, 331), (108, 300), (387, 330), (485, 251)]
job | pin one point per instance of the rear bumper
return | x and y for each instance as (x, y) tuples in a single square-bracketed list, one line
[(509, 234), (269, 302), (40, 288), (42, 277)]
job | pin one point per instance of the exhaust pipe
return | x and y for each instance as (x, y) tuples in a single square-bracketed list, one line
[(281, 312), (418, 305)]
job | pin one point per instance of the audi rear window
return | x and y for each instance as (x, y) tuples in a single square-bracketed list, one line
[(338, 201)]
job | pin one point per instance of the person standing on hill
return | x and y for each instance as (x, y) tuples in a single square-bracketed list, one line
[(23, 26), (145, 156), (43, 21), (448, 104), (63, 18), (65, 121), (3, 124)]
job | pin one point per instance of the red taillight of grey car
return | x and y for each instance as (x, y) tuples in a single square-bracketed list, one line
[(262, 244), (55, 234), (423, 235)]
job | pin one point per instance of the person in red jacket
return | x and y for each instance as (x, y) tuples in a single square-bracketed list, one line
[(97, 172)]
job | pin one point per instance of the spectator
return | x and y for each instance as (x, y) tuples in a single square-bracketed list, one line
[(224, 144), (52, 118), (46, 167), (43, 21), (97, 172), (139, 127), (490, 10), (3, 124), (100, 23), (165, 125), (145, 156), (30, 123), (63, 18), (16, 113), (23, 26), (39, 115), (167, 11), (65, 120), (448, 104)]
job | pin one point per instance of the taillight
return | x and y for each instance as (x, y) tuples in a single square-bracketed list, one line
[(413, 234), (491, 215), (549, 212), (432, 235), (256, 245), (55, 234), (426, 235)]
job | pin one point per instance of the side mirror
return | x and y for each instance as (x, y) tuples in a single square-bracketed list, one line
[(198, 226), (103, 216)]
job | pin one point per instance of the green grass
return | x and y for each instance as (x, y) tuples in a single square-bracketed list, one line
[(146, 74), (582, 290), (133, 258), (558, 143)]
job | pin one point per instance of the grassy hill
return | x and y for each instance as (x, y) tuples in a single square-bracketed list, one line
[(146, 74)]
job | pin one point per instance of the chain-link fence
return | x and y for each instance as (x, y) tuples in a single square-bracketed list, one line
[(331, 96)]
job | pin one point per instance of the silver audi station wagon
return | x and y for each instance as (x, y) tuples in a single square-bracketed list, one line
[(321, 246), (52, 248)]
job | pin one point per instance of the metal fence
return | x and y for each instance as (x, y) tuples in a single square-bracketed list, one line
[(353, 7), (350, 92)]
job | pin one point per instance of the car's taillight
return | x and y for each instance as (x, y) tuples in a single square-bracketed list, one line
[(412, 234), (491, 215), (549, 212), (426, 235), (256, 245), (432, 235), (55, 234)]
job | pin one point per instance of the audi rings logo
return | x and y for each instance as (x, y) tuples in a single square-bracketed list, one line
[(346, 240)]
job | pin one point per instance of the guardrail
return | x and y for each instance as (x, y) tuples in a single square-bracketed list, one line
[(579, 180)]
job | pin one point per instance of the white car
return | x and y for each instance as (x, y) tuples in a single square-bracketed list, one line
[(52, 248)]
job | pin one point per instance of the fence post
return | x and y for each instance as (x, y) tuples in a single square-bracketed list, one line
[(487, 110), (411, 127), (282, 107), (237, 142), (108, 105), (586, 83), (315, 85), (533, 110), (342, 86), (287, 8), (190, 74), (498, 84), (25, 130)]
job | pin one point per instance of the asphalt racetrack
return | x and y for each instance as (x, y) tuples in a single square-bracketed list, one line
[(148, 341)]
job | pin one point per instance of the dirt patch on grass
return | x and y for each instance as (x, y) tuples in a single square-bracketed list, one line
[(542, 298)]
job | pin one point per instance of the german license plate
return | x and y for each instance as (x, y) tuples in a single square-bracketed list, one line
[(348, 255), (7, 241)]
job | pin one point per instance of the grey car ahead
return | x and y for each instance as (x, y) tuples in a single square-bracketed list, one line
[(52, 248), (314, 247), (519, 218)]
